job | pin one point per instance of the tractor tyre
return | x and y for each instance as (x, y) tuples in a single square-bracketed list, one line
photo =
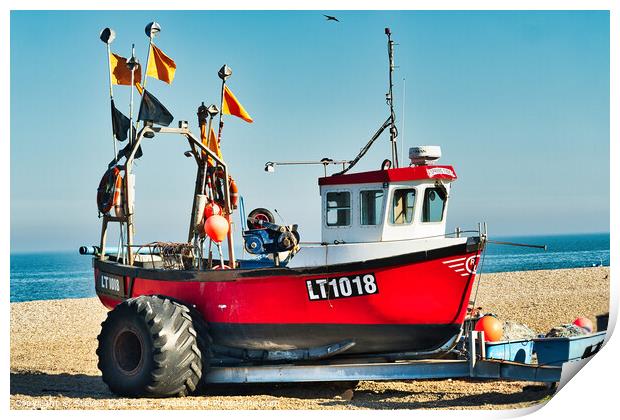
[(148, 347), (205, 343)]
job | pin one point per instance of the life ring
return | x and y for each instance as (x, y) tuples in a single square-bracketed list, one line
[(109, 191)]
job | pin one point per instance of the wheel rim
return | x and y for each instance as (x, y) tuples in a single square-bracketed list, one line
[(262, 217), (128, 352)]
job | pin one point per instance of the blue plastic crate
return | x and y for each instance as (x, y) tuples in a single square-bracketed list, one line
[(557, 350), (514, 351)]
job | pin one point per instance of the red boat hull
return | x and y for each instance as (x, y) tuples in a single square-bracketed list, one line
[(411, 302)]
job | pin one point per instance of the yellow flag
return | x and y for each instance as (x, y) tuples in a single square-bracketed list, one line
[(211, 143), (160, 66), (120, 72), (231, 106)]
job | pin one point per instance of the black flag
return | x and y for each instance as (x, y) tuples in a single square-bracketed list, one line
[(153, 110), (125, 151), (120, 123)]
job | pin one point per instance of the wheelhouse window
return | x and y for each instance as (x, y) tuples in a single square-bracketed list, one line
[(371, 207), (403, 205), (338, 208), (434, 203)]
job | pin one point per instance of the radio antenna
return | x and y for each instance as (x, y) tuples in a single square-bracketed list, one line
[(389, 122), (389, 97), (402, 124)]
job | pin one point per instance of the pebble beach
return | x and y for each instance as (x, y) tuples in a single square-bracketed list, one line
[(54, 366)]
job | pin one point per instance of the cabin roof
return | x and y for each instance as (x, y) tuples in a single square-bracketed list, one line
[(413, 173)]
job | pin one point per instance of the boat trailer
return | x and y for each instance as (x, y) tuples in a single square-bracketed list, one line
[(475, 366)]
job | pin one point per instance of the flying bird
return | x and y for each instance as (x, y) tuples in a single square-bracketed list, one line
[(331, 18)]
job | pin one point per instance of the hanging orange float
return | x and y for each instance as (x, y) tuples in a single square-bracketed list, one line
[(216, 227), (234, 192)]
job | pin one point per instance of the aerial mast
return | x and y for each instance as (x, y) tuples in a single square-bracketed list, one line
[(389, 98), (390, 122)]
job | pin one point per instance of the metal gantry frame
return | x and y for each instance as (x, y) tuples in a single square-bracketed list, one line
[(128, 203)]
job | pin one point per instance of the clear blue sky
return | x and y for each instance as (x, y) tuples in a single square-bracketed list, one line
[(518, 101)]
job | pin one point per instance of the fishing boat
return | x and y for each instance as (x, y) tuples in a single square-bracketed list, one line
[(386, 278)]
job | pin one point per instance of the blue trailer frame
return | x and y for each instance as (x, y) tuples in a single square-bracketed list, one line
[(475, 366)]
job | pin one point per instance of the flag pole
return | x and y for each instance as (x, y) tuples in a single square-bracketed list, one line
[(224, 73), (212, 111), (132, 64), (107, 36), (151, 30)]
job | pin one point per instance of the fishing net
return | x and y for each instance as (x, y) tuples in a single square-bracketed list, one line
[(175, 255), (515, 331), (566, 330)]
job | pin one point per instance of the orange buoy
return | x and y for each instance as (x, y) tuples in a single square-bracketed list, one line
[(217, 227), (584, 323), (234, 192), (212, 209), (493, 328)]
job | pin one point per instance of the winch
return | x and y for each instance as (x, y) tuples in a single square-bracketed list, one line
[(265, 237)]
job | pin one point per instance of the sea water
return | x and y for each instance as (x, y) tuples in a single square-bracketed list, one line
[(563, 251), (62, 275)]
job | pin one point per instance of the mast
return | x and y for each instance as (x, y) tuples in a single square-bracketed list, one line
[(390, 99), (224, 73), (150, 30), (389, 122), (107, 36), (132, 64)]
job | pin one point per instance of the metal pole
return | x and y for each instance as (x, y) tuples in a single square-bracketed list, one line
[(231, 249), (132, 67), (132, 64), (151, 30), (107, 36), (120, 226), (212, 111), (200, 170), (224, 73), (402, 135), (221, 123), (390, 99), (146, 67), (219, 248)]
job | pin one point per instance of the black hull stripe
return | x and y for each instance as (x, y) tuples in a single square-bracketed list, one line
[(368, 338), (472, 244)]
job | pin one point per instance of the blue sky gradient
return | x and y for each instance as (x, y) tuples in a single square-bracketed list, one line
[(518, 101)]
